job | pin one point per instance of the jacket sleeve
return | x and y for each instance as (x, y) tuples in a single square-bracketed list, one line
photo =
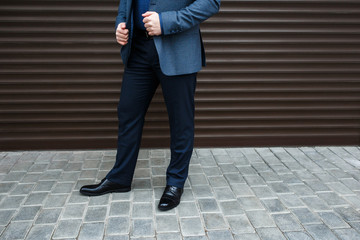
[(185, 18), (121, 13)]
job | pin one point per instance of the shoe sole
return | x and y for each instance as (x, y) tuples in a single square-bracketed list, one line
[(107, 192), (167, 209)]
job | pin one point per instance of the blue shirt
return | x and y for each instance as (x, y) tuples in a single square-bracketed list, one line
[(140, 7)]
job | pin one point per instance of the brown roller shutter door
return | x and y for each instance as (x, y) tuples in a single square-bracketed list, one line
[(278, 73)]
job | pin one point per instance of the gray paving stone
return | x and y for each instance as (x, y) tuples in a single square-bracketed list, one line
[(306, 216), (191, 227), (47, 216), (76, 197), (95, 214), (67, 229), (118, 226), (232, 207), (187, 209), (351, 183), (208, 205), (290, 178), (142, 228), (198, 179), (74, 211), (202, 191), (220, 235), (332, 199), (167, 223), (270, 176), (347, 234), (31, 178), (320, 232), (348, 213), (274, 205), (241, 190), (208, 161), (212, 171), (214, 221), (195, 238), (325, 177), (247, 170), (317, 186), (240, 224), (250, 203), (340, 188), (16, 230), (315, 203), (44, 186), (99, 200), (332, 220), (169, 236), (279, 187), (298, 236), (12, 202), (261, 167), (187, 195), (126, 196), (6, 187), (218, 181), (302, 190), (263, 192), (291, 201), (55, 200), (26, 213), (234, 178), (36, 198), (280, 169), (224, 193), (91, 231), (354, 201), (5, 216), (63, 188), (141, 184), (40, 232), (287, 222), (254, 180), (247, 236), (270, 234), (142, 210), (260, 219), (228, 168), (195, 169), (119, 208), (14, 177), (143, 195), (22, 189)]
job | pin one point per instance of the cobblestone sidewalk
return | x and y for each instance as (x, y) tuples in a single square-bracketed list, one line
[(231, 193)]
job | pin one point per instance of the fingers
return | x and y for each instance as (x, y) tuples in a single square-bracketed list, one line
[(122, 34), (122, 25), (148, 13)]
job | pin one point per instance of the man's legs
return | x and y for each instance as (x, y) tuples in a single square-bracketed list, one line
[(138, 87), (179, 93)]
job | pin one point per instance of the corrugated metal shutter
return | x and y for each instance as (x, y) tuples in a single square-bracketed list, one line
[(279, 73)]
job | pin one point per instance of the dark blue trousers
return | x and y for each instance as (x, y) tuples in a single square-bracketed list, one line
[(142, 76)]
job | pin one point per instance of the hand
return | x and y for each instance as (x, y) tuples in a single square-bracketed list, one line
[(152, 23), (122, 34)]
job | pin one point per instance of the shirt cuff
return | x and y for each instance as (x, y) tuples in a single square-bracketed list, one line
[(161, 24)]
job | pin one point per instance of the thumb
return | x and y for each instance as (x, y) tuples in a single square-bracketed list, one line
[(122, 25), (148, 13)]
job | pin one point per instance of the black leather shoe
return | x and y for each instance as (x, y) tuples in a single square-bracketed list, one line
[(170, 198), (104, 187)]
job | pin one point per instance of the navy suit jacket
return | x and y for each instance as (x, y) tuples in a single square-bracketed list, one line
[(180, 47)]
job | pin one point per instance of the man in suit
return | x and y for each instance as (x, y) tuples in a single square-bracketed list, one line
[(161, 44)]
